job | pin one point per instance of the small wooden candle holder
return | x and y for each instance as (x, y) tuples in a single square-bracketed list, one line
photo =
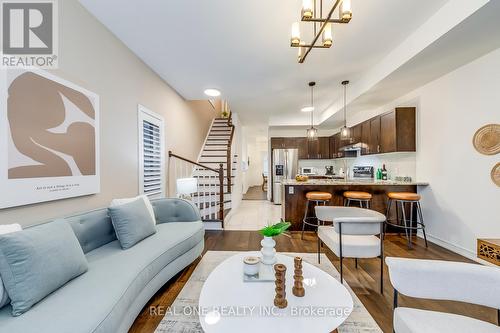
[(298, 287), (280, 298)]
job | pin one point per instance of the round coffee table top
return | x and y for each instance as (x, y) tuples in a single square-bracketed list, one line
[(228, 304)]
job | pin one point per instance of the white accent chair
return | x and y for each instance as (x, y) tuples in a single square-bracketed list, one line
[(443, 280), (352, 235)]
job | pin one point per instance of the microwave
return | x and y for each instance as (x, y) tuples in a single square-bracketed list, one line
[(307, 171)]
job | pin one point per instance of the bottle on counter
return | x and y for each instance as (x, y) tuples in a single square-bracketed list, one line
[(379, 174), (384, 172)]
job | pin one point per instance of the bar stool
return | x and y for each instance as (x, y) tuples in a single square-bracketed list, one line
[(358, 196), (405, 199), (318, 198)]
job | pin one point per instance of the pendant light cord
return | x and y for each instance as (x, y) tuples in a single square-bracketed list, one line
[(312, 105), (345, 113)]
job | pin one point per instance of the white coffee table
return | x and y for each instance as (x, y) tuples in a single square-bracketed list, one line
[(227, 304)]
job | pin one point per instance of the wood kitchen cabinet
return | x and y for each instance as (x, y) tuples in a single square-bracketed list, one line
[(388, 129), (324, 148), (394, 131), (333, 152), (277, 143), (356, 134), (398, 131), (365, 137), (374, 142), (301, 145)]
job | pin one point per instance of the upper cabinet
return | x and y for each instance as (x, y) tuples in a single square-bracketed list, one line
[(277, 143), (318, 149), (374, 143), (394, 131), (390, 132)]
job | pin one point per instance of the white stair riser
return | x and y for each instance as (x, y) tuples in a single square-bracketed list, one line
[(214, 153)]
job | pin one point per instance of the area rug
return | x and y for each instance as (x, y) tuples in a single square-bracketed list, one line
[(179, 318)]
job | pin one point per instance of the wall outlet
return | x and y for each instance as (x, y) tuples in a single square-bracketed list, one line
[(290, 189)]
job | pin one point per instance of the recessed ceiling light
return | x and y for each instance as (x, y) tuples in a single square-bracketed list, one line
[(212, 92), (307, 109)]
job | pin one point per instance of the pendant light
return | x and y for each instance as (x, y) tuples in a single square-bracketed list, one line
[(345, 132), (312, 132)]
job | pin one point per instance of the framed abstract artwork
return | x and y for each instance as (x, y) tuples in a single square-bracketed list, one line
[(49, 138)]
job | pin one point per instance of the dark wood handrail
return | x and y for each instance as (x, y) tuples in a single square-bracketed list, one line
[(219, 172), (170, 154)]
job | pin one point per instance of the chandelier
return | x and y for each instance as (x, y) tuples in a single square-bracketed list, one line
[(322, 26)]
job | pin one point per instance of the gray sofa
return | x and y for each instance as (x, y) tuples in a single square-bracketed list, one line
[(110, 295)]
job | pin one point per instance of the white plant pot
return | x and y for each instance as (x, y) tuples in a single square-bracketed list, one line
[(268, 251)]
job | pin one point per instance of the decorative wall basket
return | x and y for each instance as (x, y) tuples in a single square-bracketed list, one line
[(487, 139), (495, 174)]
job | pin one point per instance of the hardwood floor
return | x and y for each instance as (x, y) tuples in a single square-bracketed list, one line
[(364, 280), (255, 193)]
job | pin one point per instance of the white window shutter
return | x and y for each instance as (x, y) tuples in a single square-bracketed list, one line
[(151, 154)]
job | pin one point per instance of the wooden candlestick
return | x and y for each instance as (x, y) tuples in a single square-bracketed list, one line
[(298, 287), (280, 298)]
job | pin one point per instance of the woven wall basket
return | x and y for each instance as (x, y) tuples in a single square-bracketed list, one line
[(495, 174), (487, 139)]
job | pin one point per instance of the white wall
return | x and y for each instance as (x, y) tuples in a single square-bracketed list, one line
[(462, 203), (95, 59)]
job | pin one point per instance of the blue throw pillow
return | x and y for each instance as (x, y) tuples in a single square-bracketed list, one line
[(132, 222), (37, 261)]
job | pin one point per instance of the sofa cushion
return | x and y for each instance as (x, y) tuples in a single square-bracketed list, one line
[(6, 229), (93, 229), (37, 261), (114, 280), (118, 202), (132, 222), (407, 320)]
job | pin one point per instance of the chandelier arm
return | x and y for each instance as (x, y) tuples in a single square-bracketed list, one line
[(319, 19), (323, 25), (313, 46)]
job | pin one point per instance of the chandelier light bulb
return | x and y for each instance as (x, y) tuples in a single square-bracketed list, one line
[(327, 35), (345, 10), (307, 9), (295, 38)]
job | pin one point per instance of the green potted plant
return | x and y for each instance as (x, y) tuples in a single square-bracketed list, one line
[(268, 243)]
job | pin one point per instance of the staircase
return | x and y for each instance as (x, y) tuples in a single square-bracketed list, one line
[(214, 170), (216, 153)]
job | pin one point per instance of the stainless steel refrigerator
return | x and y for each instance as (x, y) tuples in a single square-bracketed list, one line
[(285, 166)]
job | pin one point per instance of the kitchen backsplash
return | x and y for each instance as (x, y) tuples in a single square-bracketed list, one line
[(397, 164)]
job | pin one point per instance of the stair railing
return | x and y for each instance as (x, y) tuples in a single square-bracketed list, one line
[(210, 194), (229, 156)]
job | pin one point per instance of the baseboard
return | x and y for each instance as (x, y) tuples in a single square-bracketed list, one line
[(456, 249)]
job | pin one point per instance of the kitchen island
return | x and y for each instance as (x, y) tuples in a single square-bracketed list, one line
[(294, 195)]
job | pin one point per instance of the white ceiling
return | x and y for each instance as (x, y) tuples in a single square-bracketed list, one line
[(242, 48)]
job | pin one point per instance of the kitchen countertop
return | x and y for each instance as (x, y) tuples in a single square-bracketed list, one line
[(350, 182)]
